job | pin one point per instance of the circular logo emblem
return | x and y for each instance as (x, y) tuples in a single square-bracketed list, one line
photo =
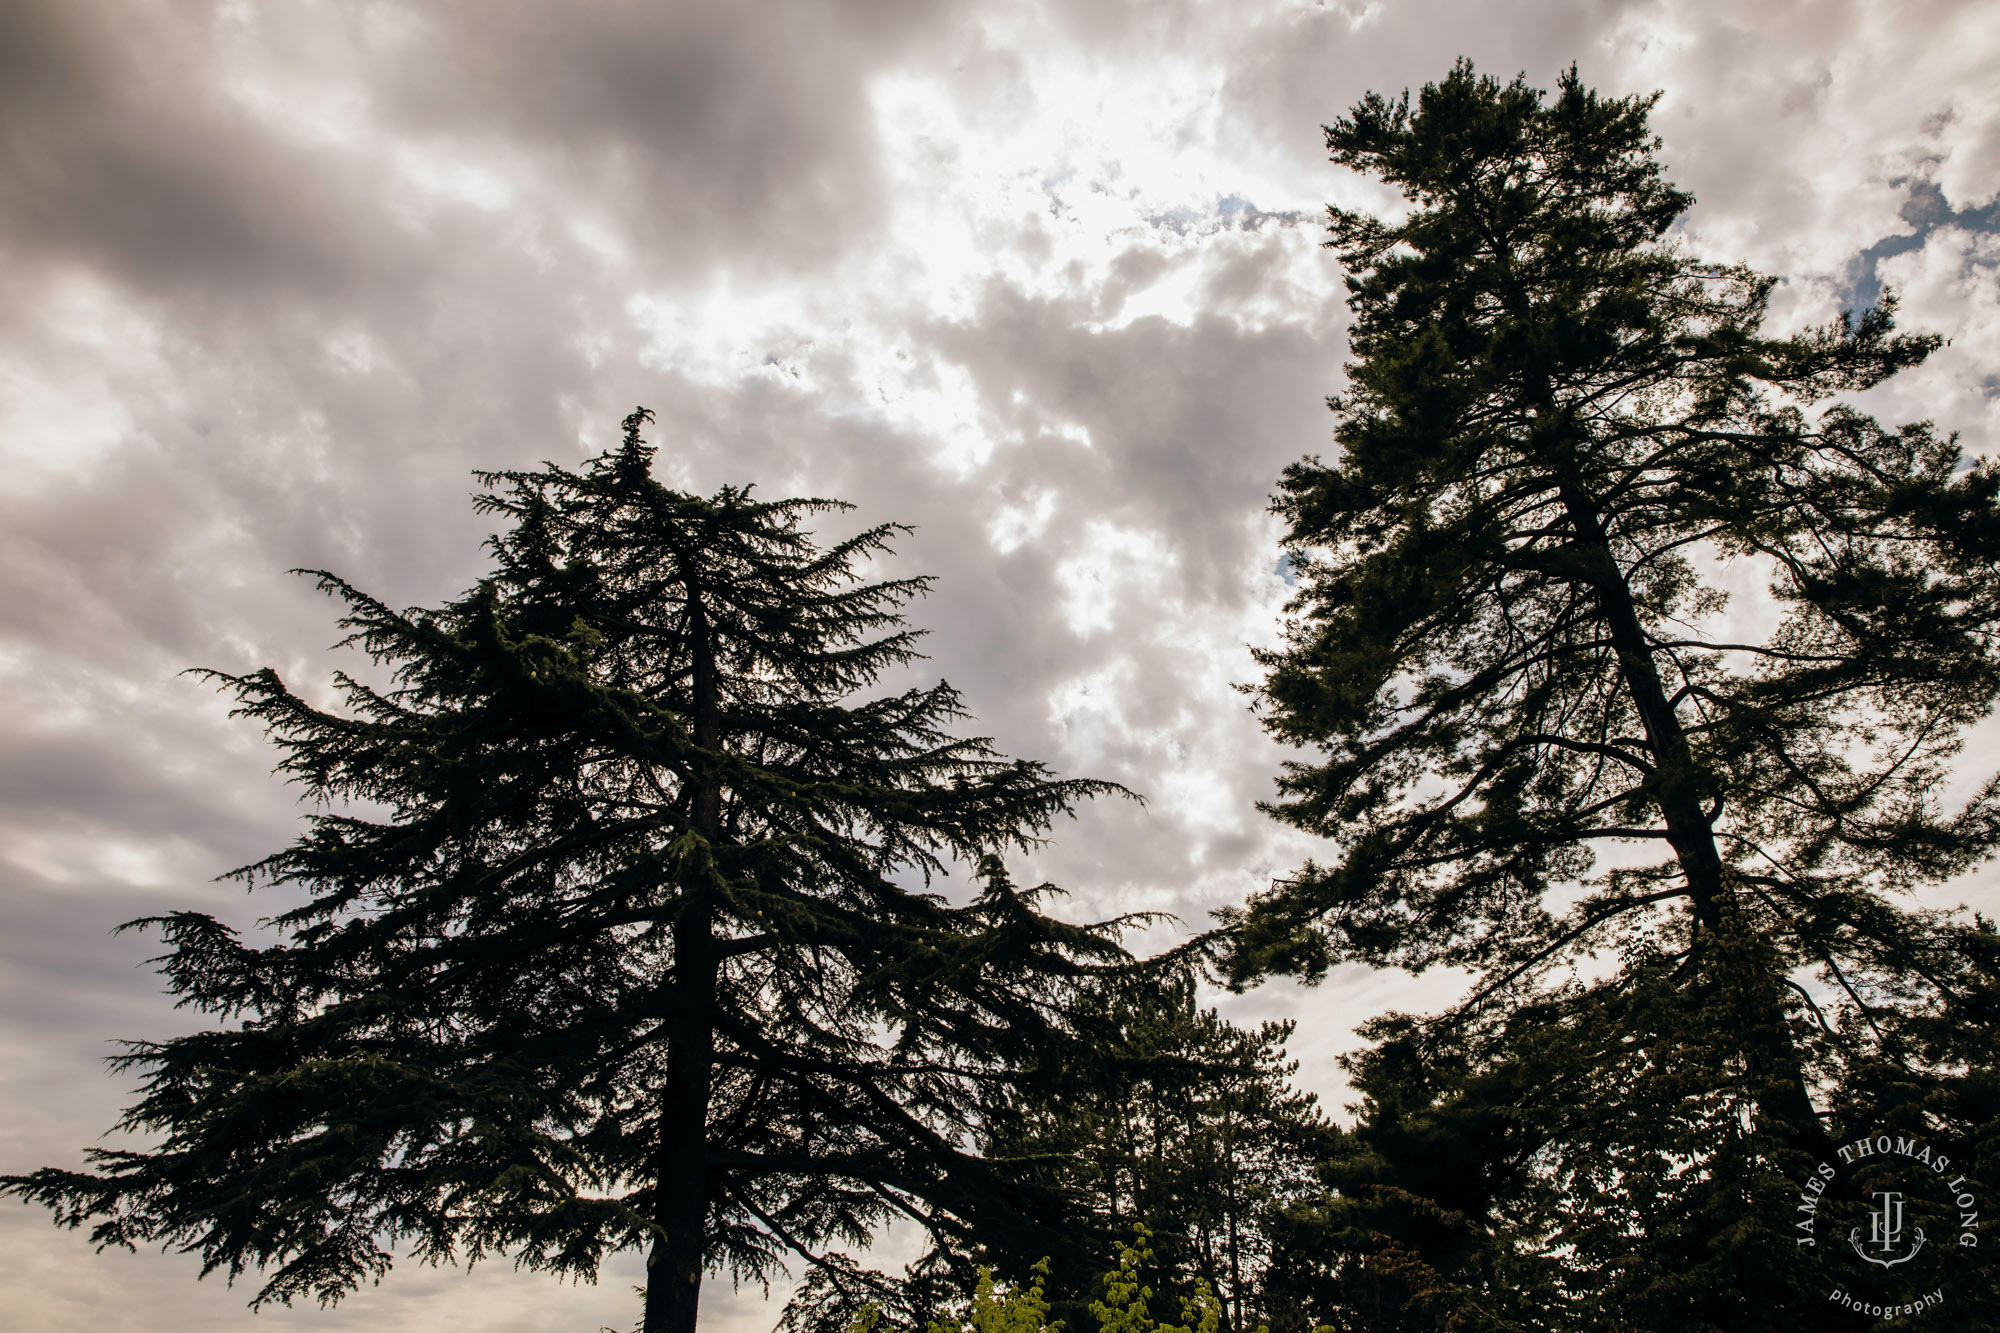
[(1888, 1220)]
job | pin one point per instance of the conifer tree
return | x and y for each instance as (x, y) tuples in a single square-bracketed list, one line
[(1171, 1118), (614, 931), (1512, 654)]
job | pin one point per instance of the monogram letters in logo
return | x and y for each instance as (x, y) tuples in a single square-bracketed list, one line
[(1886, 1189), (1885, 1233)]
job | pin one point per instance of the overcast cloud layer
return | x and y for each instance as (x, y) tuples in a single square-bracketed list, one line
[(1043, 281)]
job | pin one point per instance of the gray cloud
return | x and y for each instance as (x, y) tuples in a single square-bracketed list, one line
[(1042, 281), (723, 136), (121, 154)]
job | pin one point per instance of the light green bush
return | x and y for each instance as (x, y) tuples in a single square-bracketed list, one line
[(1124, 1309), (1127, 1303)]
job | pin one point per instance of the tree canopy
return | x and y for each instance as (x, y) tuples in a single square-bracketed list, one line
[(614, 928), (1630, 661), (1630, 657), (1169, 1117)]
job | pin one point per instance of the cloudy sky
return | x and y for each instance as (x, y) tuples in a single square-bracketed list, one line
[(1042, 280)]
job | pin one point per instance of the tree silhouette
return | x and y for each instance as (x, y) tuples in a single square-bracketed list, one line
[(615, 931), (1512, 650), (1174, 1119)]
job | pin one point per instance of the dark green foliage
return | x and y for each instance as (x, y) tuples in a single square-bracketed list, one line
[(1167, 1117), (613, 933), (1511, 653), (1592, 1158)]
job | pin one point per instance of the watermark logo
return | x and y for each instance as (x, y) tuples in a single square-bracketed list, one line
[(1888, 1200), (1885, 1232)]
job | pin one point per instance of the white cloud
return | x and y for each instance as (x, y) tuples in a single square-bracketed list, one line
[(1043, 280), (1112, 566)]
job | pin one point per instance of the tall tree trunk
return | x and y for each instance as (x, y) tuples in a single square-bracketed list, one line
[(1676, 783), (1675, 780), (681, 1169), (1237, 1257)]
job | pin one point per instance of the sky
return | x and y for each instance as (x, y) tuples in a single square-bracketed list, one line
[(1042, 280)]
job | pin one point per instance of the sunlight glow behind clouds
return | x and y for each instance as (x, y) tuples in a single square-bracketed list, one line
[(1046, 182), (63, 400), (1044, 281), (1110, 566)]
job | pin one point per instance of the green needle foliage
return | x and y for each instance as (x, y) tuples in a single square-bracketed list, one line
[(1173, 1119), (609, 937), (1672, 838)]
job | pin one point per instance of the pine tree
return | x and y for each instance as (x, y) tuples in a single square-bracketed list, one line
[(615, 931), (1170, 1118), (1511, 652)]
